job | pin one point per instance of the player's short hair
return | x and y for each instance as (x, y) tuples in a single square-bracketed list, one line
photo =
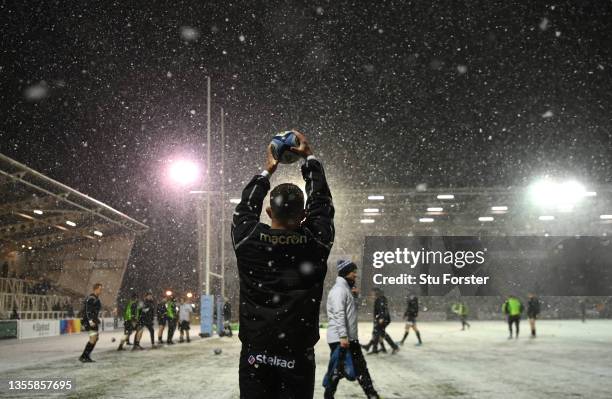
[(286, 201), (97, 285)]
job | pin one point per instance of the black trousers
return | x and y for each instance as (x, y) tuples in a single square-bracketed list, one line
[(171, 328), (516, 321), (380, 333), (149, 326), (266, 374), (361, 370)]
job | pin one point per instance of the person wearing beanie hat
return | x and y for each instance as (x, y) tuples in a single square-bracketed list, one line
[(342, 329), (344, 267)]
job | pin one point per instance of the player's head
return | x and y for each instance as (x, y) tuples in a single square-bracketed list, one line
[(134, 296), (148, 295), (286, 205), (347, 269), (97, 288)]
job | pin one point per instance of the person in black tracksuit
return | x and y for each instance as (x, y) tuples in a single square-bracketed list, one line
[(161, 319), (227, 318), (282, 268), (91, 321), (382, 318), (145, 320), (381, 342), (411, 314), (533, 310)]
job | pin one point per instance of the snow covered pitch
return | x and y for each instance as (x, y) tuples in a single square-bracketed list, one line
[(569, 359)]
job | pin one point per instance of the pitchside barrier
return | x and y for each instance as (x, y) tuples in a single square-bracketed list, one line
[(25, 329), (37, 328), (8, 329), (110, 323)]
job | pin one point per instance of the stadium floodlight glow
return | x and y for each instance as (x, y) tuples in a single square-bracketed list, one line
[(486, 219), (500, 208), (184, 172), (371, 210), (547, 193), (98, 233), (435, 209), (605, 217), (590, 194), (168, 293), (546, 218), (38, 211), (235, 200), (426, 220), (445, 196), (367, 221), (376, 197), (70, 223)]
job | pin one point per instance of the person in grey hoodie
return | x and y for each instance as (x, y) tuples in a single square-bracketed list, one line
[(342, 328)]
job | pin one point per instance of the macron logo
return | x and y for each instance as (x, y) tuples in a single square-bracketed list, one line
[(251, 360)]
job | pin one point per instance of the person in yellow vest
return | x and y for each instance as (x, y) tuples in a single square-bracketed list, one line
[(172, 316), (461, 310), (513, 308), (130, 317)]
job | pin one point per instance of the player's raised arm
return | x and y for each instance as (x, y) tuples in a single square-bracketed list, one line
[(248, 211), (319, 207)]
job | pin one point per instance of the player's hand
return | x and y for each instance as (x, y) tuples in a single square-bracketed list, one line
[(355, 290), (344, 342), (381, 321), (304, 149), (271, 163), (92, 323)]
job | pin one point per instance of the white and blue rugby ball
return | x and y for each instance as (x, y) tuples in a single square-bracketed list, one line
[(281, 143)]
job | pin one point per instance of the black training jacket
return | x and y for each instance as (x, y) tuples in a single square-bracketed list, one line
[(147, 313), (92, 309), (533, 306), (282, 272), (381, 310), (412, 310), (161, 309)]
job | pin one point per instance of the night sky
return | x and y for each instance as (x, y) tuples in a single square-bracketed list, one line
[(481, 93)]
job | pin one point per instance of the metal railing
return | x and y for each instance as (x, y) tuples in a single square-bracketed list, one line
[(36, 315), (15, 285), (30, 303)]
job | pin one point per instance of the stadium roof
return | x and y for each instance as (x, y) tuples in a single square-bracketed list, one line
[(37, 211), (555, 208)]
